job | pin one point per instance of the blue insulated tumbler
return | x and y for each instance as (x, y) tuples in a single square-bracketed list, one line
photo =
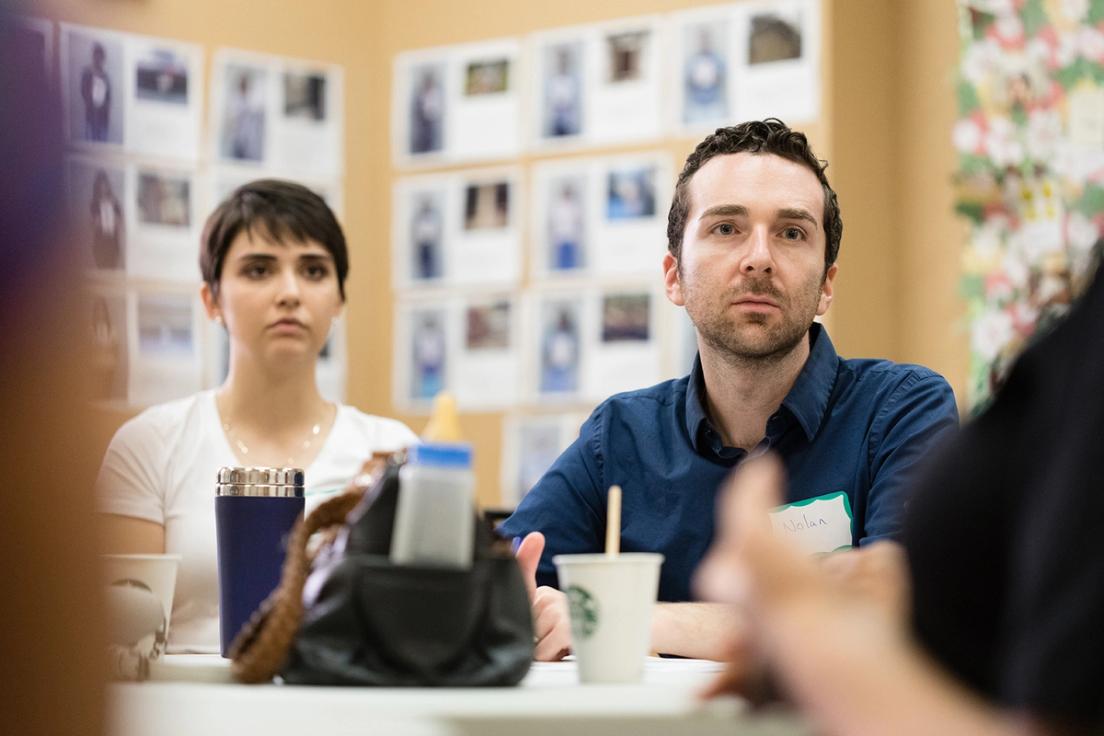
[(255, 510)]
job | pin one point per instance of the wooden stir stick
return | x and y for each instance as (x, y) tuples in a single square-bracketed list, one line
[(613, 522)]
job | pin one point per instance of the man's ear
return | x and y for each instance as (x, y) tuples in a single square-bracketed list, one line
[(826, 290), (210, 301), (671, 281)]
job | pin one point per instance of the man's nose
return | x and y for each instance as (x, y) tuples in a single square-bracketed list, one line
[(758, 256)]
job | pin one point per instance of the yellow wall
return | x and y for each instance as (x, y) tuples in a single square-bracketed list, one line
[(887, 111)]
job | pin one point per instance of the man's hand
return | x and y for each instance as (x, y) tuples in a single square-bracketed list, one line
[(551, 624)]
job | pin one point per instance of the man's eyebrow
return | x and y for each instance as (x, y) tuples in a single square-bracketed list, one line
[(725, 210), (796, 213)]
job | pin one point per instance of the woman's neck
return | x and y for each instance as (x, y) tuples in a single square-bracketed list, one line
[(271, 401)]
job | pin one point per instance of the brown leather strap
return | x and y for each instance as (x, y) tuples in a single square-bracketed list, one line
[(261, 647)]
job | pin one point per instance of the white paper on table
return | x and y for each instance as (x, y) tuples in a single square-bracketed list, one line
[(703, 80), (163, 222), (626, 352), (98, 201), (487, 371), (563, 218), (164, 97), (630, 195), (94, 100), (626, 83), (308, 128), (165, 358), (485, 100), (486, 247), (786, 88)]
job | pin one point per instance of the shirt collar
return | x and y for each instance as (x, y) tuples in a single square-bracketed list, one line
[(807, 400)]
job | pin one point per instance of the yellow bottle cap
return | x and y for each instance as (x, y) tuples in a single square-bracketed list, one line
[(444, 425)]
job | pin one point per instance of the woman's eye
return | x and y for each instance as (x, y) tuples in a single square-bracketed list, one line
[(256, 270), (316, 272)]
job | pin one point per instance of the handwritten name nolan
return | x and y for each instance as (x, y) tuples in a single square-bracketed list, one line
[(793, 525)]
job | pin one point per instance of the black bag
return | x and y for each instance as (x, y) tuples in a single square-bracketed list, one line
[(369, 622)]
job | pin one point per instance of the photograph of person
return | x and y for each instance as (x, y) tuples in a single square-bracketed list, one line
[(559, 347), (243, 116), (566, 230), (427, 236), (305, 96), (626, 317), (625, 52), (487, 206), (563, 90), (164, 199), (161, 76), (773, 37), (109, 348), (631, 193), (165, 326), (488, 327), (427, 108), (487, 77), (274, 263), (95, 71), (428, 354), (704, 74), (105, 214)]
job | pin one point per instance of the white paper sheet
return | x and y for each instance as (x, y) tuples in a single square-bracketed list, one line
[(487, 368), (778, 55), (164, 348), (164, 222), (99, 200), (93, 82), (164, 97)]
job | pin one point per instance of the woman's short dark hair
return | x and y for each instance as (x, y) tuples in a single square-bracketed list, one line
[(285, 212), (755, 136)]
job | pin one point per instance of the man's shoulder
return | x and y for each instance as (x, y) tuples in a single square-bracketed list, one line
[(884, 388), (879, 372), (669, 393)]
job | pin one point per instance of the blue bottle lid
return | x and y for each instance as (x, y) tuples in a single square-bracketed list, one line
[(440, 455)]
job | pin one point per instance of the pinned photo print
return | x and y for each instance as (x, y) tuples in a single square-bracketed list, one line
[(488, 326), (566, 227), (774, 36), (305, 96), (428, 353), (161, 75), (164, 200), (487, 77), (427, 235), (165, 326), (631, 193), (97, 194), (243, 113), (705, 73), (107, 322), (94, 69), (560, 347), (626, 318), (487, 206), (427, 108), (625, 56), (563, 90)]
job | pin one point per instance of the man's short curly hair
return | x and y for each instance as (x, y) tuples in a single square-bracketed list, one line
[(755, 136)]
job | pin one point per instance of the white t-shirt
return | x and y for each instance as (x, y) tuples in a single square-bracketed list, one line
[(162, 465)]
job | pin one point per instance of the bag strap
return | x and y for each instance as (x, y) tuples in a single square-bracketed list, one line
[(260, 649)]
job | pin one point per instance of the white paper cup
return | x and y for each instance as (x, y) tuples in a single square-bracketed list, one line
[(611, 601), (131, 580)]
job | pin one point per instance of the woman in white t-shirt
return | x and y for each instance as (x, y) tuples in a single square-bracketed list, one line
[(274, 263)]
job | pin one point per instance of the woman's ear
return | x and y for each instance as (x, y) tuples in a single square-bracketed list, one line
[(210, 303)]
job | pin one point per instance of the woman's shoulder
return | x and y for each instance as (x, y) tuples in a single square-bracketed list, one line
[(382, 434), (165, 423)]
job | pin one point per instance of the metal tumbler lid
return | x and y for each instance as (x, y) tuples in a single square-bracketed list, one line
[(271, 482)]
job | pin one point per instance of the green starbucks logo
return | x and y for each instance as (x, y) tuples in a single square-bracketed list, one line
[(584, 612)]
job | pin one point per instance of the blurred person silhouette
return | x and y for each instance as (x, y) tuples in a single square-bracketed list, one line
[(107, 223), (429, 358), (245, 121), (989, 623), (565, 229), (705, 77), (52, 632), (560, 356), (426, 231), (427, 113), (95, 87), (563, 95)]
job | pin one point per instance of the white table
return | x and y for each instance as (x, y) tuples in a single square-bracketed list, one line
[(192, 695)]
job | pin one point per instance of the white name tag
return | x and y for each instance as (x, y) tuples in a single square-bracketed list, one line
[(817, 525)]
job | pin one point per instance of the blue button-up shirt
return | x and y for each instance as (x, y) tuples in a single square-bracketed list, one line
[(858, 426)]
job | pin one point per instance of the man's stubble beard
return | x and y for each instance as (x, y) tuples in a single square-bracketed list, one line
[(770, 344)]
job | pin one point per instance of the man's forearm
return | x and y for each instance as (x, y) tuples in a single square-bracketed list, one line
[(697, 630)]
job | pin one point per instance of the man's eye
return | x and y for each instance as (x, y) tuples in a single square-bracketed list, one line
[(793, 233), (725, 228)]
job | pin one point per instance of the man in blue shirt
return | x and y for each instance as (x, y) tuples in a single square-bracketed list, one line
[(753, 234)]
